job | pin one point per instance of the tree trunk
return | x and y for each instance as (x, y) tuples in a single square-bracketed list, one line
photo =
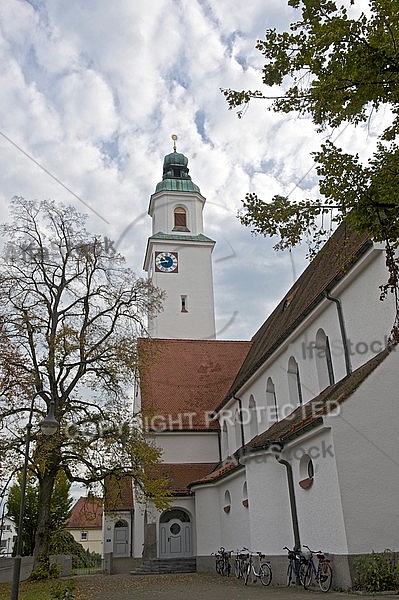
[(43, 532)]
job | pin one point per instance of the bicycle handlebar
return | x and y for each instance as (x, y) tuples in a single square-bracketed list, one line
[(313, 551)]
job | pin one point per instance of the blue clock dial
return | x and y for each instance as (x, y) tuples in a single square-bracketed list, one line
[(166, 262)]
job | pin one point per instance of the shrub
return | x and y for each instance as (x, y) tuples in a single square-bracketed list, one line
[(45, 571), (377, 572)]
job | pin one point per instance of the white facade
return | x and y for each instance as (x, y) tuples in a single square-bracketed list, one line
[(307, 448), (8, 535)]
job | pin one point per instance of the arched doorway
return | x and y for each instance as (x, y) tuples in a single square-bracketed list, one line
[(121, 538), (175, 534)]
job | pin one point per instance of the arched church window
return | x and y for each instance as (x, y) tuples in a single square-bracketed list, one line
[(324, 364), (294, 382), (238, 428), (253, 422), (227, 501), (271, 401), (245, 501), (180, 219)]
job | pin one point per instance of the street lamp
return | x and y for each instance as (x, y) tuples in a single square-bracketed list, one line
[(48, 426)]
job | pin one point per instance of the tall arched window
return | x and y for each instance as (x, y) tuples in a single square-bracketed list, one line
[(271, 401), (253, 422), (238, 428), (294, 382), (324, 364), (180, 218)]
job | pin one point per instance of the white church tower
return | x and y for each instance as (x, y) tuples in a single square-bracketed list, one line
[(179, 256)]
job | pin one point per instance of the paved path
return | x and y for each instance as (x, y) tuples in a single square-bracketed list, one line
[(193, 587)]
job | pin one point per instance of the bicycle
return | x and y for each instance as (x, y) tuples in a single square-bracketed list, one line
[(222, 561), (323, 574), (297, 566), (240, 563), (265, 571)]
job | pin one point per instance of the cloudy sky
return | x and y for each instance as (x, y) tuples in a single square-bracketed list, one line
[(91, 92)]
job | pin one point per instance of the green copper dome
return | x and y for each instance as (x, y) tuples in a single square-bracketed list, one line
[(175, 175)]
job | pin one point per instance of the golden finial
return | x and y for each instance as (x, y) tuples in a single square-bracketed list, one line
[(174, 138)]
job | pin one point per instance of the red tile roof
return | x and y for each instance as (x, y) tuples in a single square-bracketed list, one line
[(86, 513), (118, 493), (181, 474), (333, 261), (221, 470), (180, 377)]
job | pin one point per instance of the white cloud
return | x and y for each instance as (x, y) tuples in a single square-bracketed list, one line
[(92, 92)]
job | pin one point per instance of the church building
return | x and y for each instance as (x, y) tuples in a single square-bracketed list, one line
[(286, 439)]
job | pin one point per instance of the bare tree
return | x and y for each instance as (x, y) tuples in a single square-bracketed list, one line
[(71, 314)]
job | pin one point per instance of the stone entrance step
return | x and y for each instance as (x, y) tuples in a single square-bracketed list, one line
[(158, 566)]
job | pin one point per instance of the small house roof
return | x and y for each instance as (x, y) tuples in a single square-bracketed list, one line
[(86, 513)]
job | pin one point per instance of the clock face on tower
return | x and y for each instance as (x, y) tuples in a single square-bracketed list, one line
[(166, 262)]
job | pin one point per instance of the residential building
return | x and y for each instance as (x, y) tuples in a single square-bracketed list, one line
[(86, 523)]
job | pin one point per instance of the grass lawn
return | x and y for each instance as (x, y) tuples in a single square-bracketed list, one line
[(41, 590)]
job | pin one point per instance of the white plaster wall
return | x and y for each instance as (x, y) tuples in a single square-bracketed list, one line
[(367, 453), (234, 524), (109, 522), (163, 204), (208, 519), (194, 280), (193, 447), (320, 514), (270, 517)]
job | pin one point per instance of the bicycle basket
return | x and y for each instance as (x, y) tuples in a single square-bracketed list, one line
[(306, 554)]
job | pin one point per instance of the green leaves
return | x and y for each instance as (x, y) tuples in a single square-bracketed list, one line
[(337, 69)]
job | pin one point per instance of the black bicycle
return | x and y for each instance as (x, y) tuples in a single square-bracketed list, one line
[(222, 561), (297, 566)]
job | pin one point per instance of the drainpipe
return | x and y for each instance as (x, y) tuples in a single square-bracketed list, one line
[(220, 445), (291, 491), (343, 331), (241, 423)]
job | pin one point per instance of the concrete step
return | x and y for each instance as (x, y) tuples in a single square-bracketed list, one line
[(160, 566)]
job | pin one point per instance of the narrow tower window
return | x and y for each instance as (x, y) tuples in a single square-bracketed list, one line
[(184, 304)]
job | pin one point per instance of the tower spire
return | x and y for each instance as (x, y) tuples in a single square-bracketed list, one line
[(174, 138)]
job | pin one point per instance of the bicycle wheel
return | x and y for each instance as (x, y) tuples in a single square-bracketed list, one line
[(247, 572), (289, 574), (307, 579), (302, 572), (325, 576), (237, 568), (226, 568), (219, 565), (265, 574)]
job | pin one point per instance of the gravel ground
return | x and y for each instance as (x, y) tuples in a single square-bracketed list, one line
[(192, 586)]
